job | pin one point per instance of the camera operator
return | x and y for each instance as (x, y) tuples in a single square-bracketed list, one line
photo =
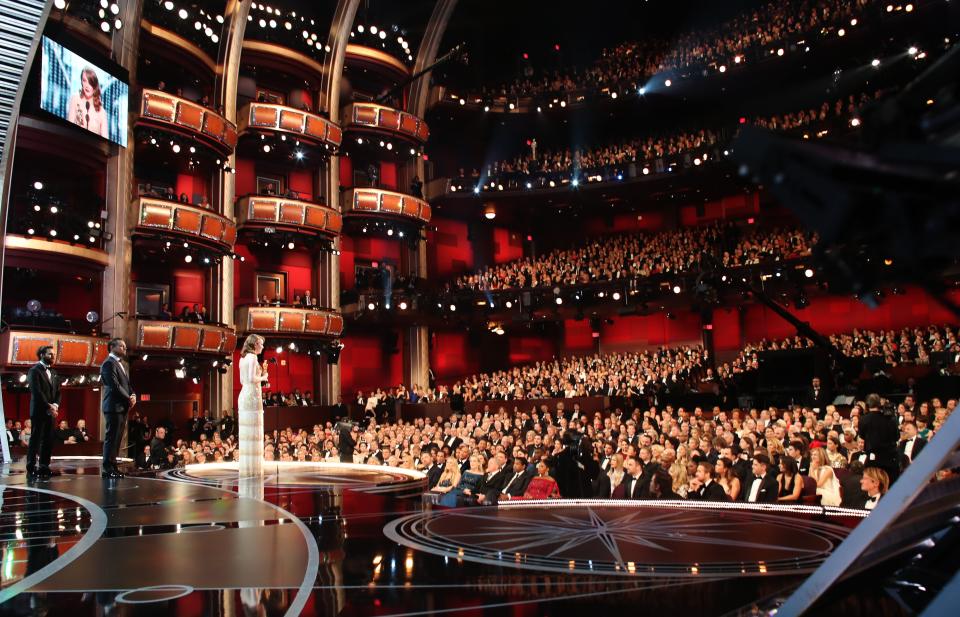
[(879, 430), (349, 434)]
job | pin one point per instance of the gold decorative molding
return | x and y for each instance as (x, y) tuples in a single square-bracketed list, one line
[(184, 337), (180, 219), (163, 110), (272, 49), (304, 125), (171, 38), (376, 56), (262, 210), (361, 201), (57, 247), (383, 118), (289, 321), (19, 348)]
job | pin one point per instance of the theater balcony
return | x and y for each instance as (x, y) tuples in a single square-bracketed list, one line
[(32, 248), (179, 116), (262, 212), (181, 338), (71, 351), (270, 118), (363, 118), (361, 202), (172, 220), (360, 58), (289, 322)]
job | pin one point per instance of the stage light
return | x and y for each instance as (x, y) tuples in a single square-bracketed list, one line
[(616, 295), (508, 304), (841, 32), (22, 378), (38, 185), (668, 83), (539, 109), (855, 122), (723, 68), (145, 356), (912, 51), (197, 25), (183, 13), (575, 182), (476, 190), (559, 300), (486, 108), (364, 229), (737, 59), (453, 307), (290, 245), (780, 52), (646, 171), (36, 207), (642, 90), (266, 147), (180, 373), (292, 346), (176, 148), (512, 106), (53, 233), (875, 63), (390, 232), (373, 29), (188, 258), (462, 102), (563, 103), (619, 176), (389, 146), (105, 26), (908, 8), (298, 155), (279, 349), (808, 273), (288, 25), (403, 305), (76, 237), (676, 289), (696, 161), (206, 260), (613, 95), (853, 22), (92, 239)]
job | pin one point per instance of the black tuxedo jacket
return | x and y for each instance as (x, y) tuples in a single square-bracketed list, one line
[(818, 399), (116, 387), (43, 391), (601, 486), (635, 492), (492, 487), (769, 489), (918, 444), (519, 487), (709, 492)]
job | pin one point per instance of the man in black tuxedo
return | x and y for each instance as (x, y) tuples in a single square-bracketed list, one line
[(44, 409), (349, 435), (492, 482), (703, 487), (795, 451), (430, 468), (911, 444), (854, 496), (763, 487), (880, 433), (632, 483), (817, 398), (118, 398), (516, 485)]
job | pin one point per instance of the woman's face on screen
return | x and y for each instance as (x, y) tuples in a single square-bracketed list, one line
[(86, 85)]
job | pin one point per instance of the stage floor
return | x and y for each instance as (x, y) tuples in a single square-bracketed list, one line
[(355, 540)]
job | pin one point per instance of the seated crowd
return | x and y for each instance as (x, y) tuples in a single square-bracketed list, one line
[(604, 163), (637, 255), (770, 455), (746, 37)]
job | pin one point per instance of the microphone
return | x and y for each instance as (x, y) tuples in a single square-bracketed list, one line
[(88, 105)]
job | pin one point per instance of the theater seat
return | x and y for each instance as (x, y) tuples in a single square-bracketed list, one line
[(808, 495)]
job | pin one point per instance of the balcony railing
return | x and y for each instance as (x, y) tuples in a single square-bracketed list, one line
[(48, 247), (363, 201), (301, 216), (160, 216), (289, 321), (375, 59), (181, 337), (305, 126), (166, 111), (19, 348), (380, 118)]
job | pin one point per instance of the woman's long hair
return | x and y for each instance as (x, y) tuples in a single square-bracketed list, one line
[(94, 82), (250, 344)]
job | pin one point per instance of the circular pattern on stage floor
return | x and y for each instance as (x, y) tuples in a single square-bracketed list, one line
[(157, 593), (623, 538), (365, 478)]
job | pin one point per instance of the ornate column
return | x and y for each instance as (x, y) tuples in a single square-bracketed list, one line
[(328, 264), (220, 385), (416, 361)]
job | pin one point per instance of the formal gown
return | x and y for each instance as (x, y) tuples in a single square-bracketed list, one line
[(454, 498), (250, 412), (830, 494)]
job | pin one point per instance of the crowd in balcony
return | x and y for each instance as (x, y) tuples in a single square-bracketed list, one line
[(739, 42), (631, 256), (541, 168), (167, 192)]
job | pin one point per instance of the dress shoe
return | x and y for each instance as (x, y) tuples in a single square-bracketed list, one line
[(106, 473), (116, 474)]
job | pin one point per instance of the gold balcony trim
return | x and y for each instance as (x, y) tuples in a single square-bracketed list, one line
[(181, 43), (57, 247), (247, 214), (272, 49), (246, 316), (227, 345), (224, 141), (410, 207), (19, 347), (351, 113), (225, 240), (271, 119)]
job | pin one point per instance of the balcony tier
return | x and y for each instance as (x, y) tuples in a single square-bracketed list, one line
[(377, 60), (258, 211), (166, 111), (180, 220), (35, 246), (379, 118), (289, 321), (179, 337), (19, 348), (303, 125), (378, 202)]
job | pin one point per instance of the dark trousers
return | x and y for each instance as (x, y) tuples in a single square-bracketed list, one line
[(114, 424), (41, 442)]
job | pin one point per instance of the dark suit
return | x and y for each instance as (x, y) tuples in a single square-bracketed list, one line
[(817, 399), (491, 487), (601, 486), (769, 489), (853, 496), (433, 475), (115, 405), (709, 492), (516, 486), (44, 391), (633, 489), (918, 444)]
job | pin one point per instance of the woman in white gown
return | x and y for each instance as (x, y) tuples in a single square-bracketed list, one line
[(250, 407), (828, 486)]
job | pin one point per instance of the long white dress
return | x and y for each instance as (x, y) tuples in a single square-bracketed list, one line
[(250, 412), (830, 494)]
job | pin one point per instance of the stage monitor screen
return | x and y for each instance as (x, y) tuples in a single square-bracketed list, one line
[(82, 93)]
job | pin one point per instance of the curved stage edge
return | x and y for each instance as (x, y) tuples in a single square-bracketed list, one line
[(354, 540)]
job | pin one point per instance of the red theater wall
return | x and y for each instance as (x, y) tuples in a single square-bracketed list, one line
[(449, 252), (507, 245), (365, 249), (295, 264), (452, 356), (366, 365)]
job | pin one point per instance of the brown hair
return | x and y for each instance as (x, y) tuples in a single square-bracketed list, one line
[(94, 82), (880, 477), (250, 344)]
